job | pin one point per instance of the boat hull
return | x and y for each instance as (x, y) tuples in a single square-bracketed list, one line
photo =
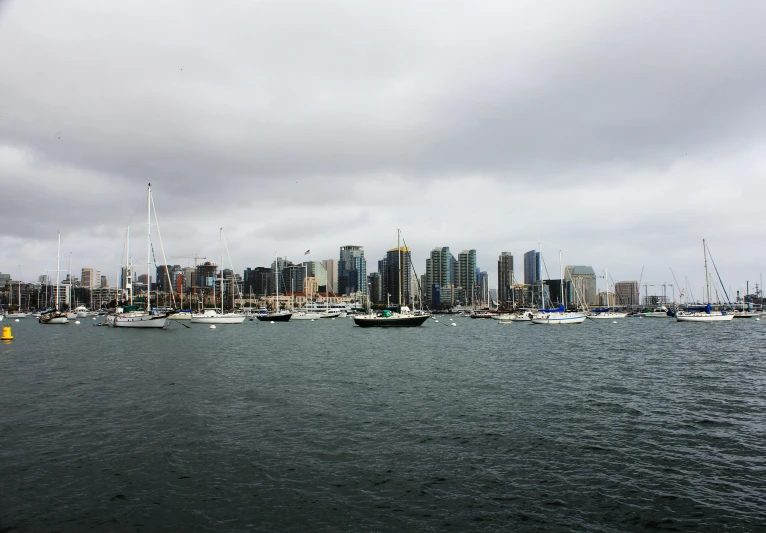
[(306, 316), (284, 317), (138, 321), (390, 322), (555, 320), (704, 318), (218, 319), (607, 316), (53, 320)]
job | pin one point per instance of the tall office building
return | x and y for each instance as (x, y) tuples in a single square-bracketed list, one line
[(104, 282), (583, 281), (439, 271), (352, 270), (277, 278), (466, 275), (331, 267), (89, 278), (532, 272), (315, 269), (626, 293), (505, 278), (376, 288), (392, 276), (256, 281), (483, 284)]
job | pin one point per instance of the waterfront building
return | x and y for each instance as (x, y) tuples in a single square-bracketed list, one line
[(392, 275), (505, 278), (89, 277), (584, 280), (316, 269), (532, 271), (483, 285), (626, 293), (104, 282), (466, 275), (205, 276), (292, 278), (352, 270), (374, 280), (439, 271), (256, 281), (331, 267)]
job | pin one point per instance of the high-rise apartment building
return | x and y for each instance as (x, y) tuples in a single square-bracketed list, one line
[(439, 271), (583, 282), (376, 288), (505, 278), (626, 293), (532, 271), (256, 281), (315, 269), (392, 276), (352, 270), (88, 278), (331, 267), (104, 282), (466, 275)]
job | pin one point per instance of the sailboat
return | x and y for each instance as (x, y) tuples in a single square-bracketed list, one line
[(55, 317), (130, 316), (401, 318), (559, 315), (278, 315), (706, 314), (606, 314), (212, 316)]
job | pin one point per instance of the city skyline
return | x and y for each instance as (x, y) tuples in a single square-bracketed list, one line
[(621, 152)]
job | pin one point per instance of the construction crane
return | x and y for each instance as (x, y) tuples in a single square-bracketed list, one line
[(680, 289), (196, 258)]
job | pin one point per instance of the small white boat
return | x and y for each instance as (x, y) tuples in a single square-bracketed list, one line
[(212, 316), (305, 315), (16, 315), (606, 315), (557, 317), (702, 316), (180, 315), (657, 312)]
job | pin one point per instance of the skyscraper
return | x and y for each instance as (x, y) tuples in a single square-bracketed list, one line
[(532, 272), (583, 281), (89, 278), (505, 278), (392, 276), (466, 275), (331, 266), (439, 271), (626, 293), (316, 269), (352, 270)]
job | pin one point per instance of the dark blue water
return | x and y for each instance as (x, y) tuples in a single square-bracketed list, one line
[(645, 425)]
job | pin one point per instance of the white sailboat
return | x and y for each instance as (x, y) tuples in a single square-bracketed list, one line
[(607, 314), (212, 316), (130, 316), (560, 315), (55, 317), (706, 315)]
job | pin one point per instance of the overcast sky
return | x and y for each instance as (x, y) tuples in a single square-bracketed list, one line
[(621, 133)]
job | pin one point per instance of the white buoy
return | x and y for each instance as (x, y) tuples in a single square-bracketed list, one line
[(17, 320), (614, 322), (436, 321), (450, 320), (271, 322), (94, 318), (758, 318), (212, 326), (312, 319), (453, 324), (76, 321), (333, 318)]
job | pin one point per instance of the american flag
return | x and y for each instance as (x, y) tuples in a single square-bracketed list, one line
[(307, 252)]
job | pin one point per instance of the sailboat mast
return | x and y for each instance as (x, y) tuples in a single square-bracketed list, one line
[(401, 270), (58, 274), (276, 279), (707, 280), (606, 276), (539, 259), (220, 239), (148, 247), (561, 271)]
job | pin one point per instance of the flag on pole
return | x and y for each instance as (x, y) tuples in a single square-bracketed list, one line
[(307, 252)]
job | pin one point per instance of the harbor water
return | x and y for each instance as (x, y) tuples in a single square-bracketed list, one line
[(643, 425)]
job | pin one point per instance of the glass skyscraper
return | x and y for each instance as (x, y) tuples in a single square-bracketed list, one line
[(532, 271), (352, 270)]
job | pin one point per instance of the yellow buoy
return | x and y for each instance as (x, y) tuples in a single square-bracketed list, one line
[(7, 335)]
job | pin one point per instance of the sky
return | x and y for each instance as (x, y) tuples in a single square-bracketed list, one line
[(620, 133)]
